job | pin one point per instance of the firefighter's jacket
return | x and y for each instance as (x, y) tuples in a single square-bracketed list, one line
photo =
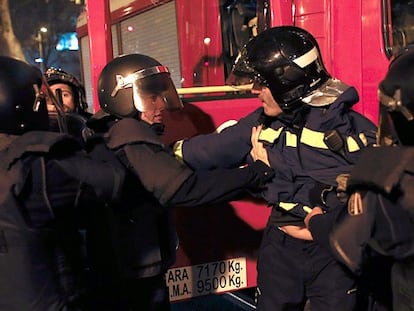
[(297, 151), (44, 183), (140, 237)]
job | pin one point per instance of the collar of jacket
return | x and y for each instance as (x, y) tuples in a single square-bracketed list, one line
[(326, 94)]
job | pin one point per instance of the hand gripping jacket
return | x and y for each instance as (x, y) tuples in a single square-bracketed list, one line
[(29, 279)]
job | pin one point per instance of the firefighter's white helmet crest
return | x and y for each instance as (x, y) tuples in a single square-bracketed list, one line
[(286, 59), (128, 81), (22, 97)]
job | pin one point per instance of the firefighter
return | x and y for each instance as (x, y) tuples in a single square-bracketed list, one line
[(311, 135), (138, 240), (380, 214), (46, 184)]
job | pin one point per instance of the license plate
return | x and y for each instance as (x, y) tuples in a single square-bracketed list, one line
[(207, 278)]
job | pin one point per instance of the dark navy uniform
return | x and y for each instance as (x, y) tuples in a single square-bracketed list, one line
[(140, 240), (304, 164), (46, 190)]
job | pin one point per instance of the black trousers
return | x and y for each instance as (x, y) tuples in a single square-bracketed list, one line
[(291, 271)]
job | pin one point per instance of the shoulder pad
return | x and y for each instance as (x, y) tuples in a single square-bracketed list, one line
[(39, 142), (127, 131), (382, 168)]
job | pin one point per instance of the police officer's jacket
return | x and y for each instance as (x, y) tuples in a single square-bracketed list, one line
[(380, 209), (142, 240), (44, 187), (297, 152)]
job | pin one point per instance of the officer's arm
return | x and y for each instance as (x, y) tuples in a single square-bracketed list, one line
[(227, 149), (321, 225), (221, 185), (173, 183), (103, 178)]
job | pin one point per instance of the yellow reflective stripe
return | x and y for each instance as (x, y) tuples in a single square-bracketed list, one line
[(352, 144), (313, 138), (307, 209), (291, 140), (178, 150), (270, 135), (363, 138), (287, 206)]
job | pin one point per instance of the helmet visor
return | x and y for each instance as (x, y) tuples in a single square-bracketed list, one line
[(149, 90), (148, 86)]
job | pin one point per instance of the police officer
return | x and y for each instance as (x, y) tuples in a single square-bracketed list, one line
[(140, 245), (311, 135), (380, 214), (46, 184), (71, 96), (72, 91)]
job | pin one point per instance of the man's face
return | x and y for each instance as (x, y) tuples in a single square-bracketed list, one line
[(67, 97), (270, 106), (155, 105)]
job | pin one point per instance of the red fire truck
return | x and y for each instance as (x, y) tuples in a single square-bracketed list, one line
[(199, 41)]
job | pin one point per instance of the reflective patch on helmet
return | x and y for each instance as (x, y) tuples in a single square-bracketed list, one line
[(307, 58), (355, 207)]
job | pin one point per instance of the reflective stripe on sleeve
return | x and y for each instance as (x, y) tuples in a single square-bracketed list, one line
[(178, 150)]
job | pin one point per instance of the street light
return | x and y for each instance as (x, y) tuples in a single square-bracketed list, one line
[(39, 40)]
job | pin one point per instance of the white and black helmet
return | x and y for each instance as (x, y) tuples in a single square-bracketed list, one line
[(286, 59)]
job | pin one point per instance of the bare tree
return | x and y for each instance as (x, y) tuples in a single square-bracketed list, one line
[(59, 17), (10, 45)]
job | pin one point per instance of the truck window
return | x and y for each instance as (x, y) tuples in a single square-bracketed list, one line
[(400, 19), (239, 24), (240, 21)]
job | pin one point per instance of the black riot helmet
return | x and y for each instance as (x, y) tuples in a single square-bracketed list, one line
[(22, 99), (286, 59), (57, 75), (396, 95), (128, 83)]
